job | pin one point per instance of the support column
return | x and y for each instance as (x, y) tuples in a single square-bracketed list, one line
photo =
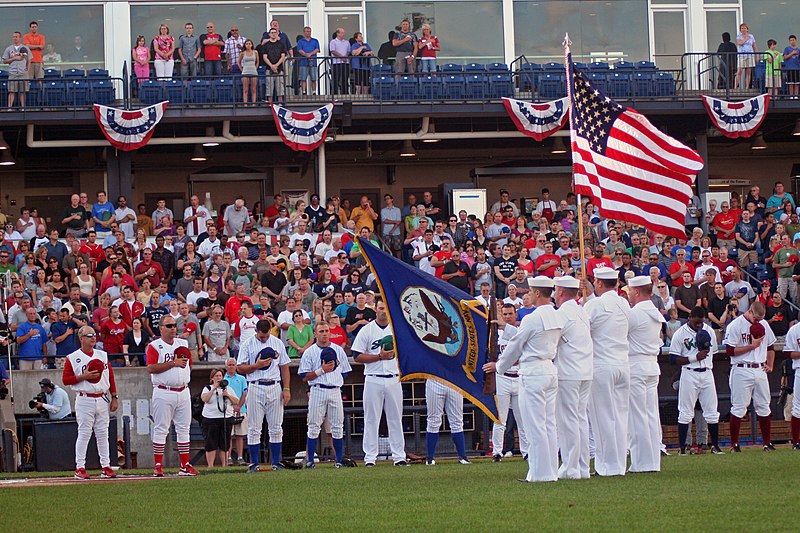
[(508, 31), (322, 175), (701, 144), (119, 178)]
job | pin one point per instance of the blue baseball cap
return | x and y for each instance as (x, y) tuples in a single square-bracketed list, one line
[(328, 354), (267, 353)]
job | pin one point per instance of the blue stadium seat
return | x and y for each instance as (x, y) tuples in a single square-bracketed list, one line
[(528, 74), (643, 83), (55, 93), (760, 74), (407, 88), (598, 65), (222, 91), (431, 88), (664, 84), (497, 67), (52, 73), (474, 67), (454, 87), (97, 73), (262, 70), (451, 67), (150, 92), (386, 88), (73, 73), (78, 93), (34, 97), (553, 66), (624, 65), (199, 92), (552, 85), (598, 79), (500, 85), (379, 67), (578, 65), (103, 91), (619, 84), (175, 91), (3, 75), (645, 66), (475, 86)]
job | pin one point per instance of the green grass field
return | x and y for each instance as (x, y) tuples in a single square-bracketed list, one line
[(751, 491)]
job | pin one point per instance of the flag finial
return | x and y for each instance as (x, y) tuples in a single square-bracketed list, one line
[(567, 43)]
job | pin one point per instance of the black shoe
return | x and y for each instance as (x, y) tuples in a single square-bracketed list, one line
[(716, 451), (338, 465), (769, 448), (735, 449), (523, 480), (796, 446), (401, 463), (683, 452), (497, 458), (278, 467), (253, 469), (525, 458), (664, 453)]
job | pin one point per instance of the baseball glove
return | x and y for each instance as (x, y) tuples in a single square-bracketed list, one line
[(349, 463), (291, 465)]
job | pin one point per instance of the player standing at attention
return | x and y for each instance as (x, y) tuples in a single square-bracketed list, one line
[(439, 397), (323, 367), (265, 364), (374, 347), (694, 351), (170, 367), (87, 371), (749, 343), (792, 349)]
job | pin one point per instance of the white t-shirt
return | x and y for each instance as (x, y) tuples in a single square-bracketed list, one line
[(126, 227)]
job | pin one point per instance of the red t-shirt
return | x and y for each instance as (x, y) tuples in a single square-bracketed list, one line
[(338, 336), (593, 263), (423, 46), (727, 222), (550, 271), (441, 256), (675, 267), (722, 267), (212, 52), (113, 334)]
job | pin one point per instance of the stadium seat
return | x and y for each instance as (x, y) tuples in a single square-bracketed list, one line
[(474, 67), (578, 65), (199, 92), (497, 67), (454, 87), (54, 93), (103, 91), (52, 73), (552, 85), (378, 67), (475, 86), (624, 65), (222, 91), (97, 73), (643, 83), (527, 74), (645, 66), (500, 85), (73, 73), (664, 84), (386, 88), (34, 97), (598, 65), (175, 92), (553, 66), (451, 67), (150, 92), (407, 88), (619, 84), (78, 92), (598, 79), (760, 74), (431, 88)]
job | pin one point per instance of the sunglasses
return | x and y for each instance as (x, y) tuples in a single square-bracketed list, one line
[(662, 286), (169, 326), (89, 335)]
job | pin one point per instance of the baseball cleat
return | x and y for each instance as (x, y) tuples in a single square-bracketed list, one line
[(310, 465), (107, 473), (188, 470), (508, 454), (242, 462), (430, 462), (497, 458), (80, 473), (716, 451), (796, 446), (252, 469), (735, 448), (158, 470), (464, 461), (369, 465), (683, 452), (338, 465), (696, 450), (278, 466), (769, 448), (401, 462), (664, 453)]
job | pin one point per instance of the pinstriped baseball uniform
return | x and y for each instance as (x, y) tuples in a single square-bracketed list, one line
[(439, 397), (326, 392), (264, 399)]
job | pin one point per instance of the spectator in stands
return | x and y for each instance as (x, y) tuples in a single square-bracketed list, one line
[(237, 218), (687, 296), (299, 336), (189, 49), (103, 215), (387, 50), (779, 315), (164, 48), (307, 48), (74, 218), (724, 223), (791, 66), (362, 63), (406, 46), (339, 48), (135, 343), (35, 42), (428, 46), (747, 238), (364, 215), (727, 62), (775, 202), (358, 316), (17, 56), (212, 51), (216, 336), (746, 47), (739, 291), (234, 45)]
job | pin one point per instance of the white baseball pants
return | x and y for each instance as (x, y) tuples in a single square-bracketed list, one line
[(92, 415), (439, 398), (264, 401), (383, 395), (507, 393), (694, 386), (325, 402), (171, 407), (747, 383)]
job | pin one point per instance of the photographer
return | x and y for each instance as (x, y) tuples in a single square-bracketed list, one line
[(56, 401), (219, 400)]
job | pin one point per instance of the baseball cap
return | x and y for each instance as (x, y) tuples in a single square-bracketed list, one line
[(267, 353), (328, 354)]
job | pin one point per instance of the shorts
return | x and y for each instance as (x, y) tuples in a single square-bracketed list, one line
[(217, 433), (394, 242), (773, 81), (792, 76), (36, 71), (17, 83), (747, 60), (240, 430), (305, 72), (428, 64)]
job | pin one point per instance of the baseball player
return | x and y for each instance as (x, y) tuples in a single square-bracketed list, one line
[(439, 397), (264, 362), (323, 367), (749, 343), (694, 351), (507, 387), (374, 347), (87, 371), (644, 345), (608, 404), (169, 363), (792, 349), (574, 363), (534, 346)]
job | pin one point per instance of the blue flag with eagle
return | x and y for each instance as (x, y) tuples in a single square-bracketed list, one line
[(440, 332)]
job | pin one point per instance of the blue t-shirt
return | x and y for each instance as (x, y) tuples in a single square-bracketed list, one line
[(31, 350), (341, 310), (307, 46), (102, 212), (68, 345), (522, 312), (239, 384), (361, 63), (793, 63), (748, 232)]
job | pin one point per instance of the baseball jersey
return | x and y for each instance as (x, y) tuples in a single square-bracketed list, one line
[(792, 344), (535, 341), (738, 334), (574, 353), (608, 319), (644, 328), (246, 327), (368, 341), (76, 364), (683, 344), (248, 354), (159, 351), (311, 361), (505, 336)]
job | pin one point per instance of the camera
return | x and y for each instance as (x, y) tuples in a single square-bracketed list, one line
[(223, 384), (39, 398), (783, 397)]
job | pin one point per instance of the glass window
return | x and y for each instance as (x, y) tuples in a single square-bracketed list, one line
[(73, 34), (599, 30), (770, 19), (251, 19), (670, 39), (473, 33)]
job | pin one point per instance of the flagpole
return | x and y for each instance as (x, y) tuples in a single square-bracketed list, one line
[(568, 67)]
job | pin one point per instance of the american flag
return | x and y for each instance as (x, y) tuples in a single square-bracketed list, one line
[(632, 171)]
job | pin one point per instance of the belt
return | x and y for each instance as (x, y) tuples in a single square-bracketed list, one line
[(173, 389), (696, 369), (381, 375), (91, 394), (326, 386), (265, 382), (511, 374), (748, 365)]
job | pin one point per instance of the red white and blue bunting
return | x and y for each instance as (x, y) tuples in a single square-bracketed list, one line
[(538, 121), (128, 130), (302, 132), (737, 119)]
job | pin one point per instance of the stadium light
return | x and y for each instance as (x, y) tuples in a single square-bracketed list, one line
[(758, 142), (210, 133), (3, 143), (431, 131), (796, 128), (199, 154), (6, 159), (558, 146), (408, 149)]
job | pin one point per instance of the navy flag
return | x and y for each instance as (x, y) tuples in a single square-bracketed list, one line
[(440, 332)]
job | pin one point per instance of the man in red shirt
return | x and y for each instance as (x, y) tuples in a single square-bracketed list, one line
[(234, 303), (148, 269), (212, 51), (129, 307), (725, 265), (440, 257), (724, 224), (272, 211), (679, 267), (35, 42), (547, 263), (598, 261), (93, 249)]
